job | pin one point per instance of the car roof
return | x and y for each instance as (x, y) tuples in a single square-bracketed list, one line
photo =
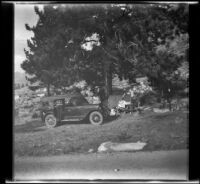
[(57, 97)]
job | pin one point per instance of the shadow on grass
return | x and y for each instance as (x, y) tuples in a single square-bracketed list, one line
[(62, 123), (111, 118), (37, 125), (85, 121)]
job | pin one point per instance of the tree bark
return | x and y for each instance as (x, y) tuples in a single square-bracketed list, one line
[(108, 78), (107, 89), (169, 103), (48, 90)]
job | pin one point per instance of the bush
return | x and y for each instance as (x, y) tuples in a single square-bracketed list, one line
[(35, 115), (141, 92), (181, 104), (148, 99)]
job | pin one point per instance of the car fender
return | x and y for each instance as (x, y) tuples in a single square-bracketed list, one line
[(88, 109), (45, 113), (98, 110)]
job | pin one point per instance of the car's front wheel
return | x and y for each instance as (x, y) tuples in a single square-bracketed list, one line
[(96, 118), (50, 121)]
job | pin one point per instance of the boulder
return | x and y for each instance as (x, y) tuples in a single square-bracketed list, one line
[(157, 110), (90, 150), (111, 146), (113, 112)]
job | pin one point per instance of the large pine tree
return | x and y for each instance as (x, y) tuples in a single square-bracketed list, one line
[(128, 40)]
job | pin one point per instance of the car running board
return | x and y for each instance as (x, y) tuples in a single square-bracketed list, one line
[(71, 120)]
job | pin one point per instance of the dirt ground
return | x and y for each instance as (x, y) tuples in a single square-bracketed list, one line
[(161, 131), (156, 165)]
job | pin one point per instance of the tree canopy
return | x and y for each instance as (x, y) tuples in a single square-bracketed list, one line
[(131, 40)]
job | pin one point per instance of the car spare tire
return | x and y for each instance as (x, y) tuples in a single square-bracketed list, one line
[(50, 121), (96, 118)]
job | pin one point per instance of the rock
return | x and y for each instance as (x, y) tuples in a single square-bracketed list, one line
[(110, 146), (90, 150), (146, 108), (123, 103), (104, 146), (157, 110), (116, 170), (112, 112)]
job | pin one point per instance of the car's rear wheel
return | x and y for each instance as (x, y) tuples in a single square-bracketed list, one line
[(50, 121), (96, 118)]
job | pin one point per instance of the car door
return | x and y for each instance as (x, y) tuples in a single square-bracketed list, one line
[(76, 108), (59, 108)]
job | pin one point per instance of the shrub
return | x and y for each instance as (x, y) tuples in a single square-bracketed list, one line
[(148, 99), (35, 115), (142, 92)]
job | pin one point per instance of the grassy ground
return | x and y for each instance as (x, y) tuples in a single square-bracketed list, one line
[(166, 131)]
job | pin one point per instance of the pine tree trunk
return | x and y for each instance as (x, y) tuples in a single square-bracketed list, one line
[(108, 78), (169, 99), (169, 103), (110, 81), (48, 90), (107, 90)]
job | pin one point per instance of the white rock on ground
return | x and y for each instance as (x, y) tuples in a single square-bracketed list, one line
[(112, 112), (90, 150), (110, 146), (160, 110)]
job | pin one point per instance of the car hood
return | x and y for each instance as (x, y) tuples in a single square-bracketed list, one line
[(92, 105)]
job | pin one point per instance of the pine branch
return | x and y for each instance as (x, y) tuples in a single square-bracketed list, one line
[(110, 55)]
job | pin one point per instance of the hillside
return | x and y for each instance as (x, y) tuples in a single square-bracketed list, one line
[(166, 131), (19, 78)]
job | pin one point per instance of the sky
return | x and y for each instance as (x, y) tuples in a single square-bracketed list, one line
[(24, 13)]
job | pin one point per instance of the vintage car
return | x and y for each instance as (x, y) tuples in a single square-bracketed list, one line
[(69, 107)]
